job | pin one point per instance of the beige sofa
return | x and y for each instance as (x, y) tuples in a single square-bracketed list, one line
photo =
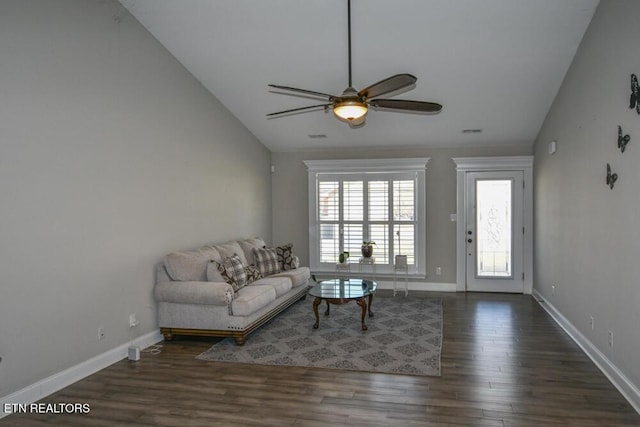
[(190, 304)]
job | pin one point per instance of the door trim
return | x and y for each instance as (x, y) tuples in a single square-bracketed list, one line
[(503, 163)]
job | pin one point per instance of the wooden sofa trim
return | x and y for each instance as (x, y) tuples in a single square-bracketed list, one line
[(240, 335)]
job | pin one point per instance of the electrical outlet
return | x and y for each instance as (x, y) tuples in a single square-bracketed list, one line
[(553, 290), (438, 271), (591, 322), (100, 333), (133, 322), (610, 339)]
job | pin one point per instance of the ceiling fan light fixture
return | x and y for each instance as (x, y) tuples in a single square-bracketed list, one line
[(350, 110)]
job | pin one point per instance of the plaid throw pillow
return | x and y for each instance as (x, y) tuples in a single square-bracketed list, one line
[(266, 260), (223, 272), (286, 260), (232, 270)]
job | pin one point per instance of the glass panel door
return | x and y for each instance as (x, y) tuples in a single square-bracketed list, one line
[(493, 224), (494, 239)]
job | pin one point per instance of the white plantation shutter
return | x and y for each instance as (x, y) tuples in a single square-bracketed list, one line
[(352, 239), (379, 233), (352, 204), (329, 243), (378, 214), (404, 242), (353, 208), (403, 215), (328, 200), (403, 200), (329, 212), (378, 207)]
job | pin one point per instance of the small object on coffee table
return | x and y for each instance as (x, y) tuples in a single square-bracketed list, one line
[(339, 291)]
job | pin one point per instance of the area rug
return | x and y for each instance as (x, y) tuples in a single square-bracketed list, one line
[(404, 337)]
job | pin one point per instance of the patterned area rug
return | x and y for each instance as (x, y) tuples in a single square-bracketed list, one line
[(404, 337)]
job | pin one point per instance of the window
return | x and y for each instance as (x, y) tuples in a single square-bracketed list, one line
[(351, 201)]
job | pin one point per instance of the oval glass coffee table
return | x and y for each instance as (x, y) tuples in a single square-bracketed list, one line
[(341, 291)]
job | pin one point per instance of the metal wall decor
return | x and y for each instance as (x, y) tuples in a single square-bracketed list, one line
[(622, 140), (611, 177), (634, 99)]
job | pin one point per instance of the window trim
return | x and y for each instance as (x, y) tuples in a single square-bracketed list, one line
[(345, 166)]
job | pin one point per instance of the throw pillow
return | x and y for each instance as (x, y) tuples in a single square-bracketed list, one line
[(266, 260), (285, 257), (232, 270), (252, 273), (213, 274)]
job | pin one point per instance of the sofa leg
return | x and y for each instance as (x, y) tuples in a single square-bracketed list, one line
[(240, 340), (168, 336)]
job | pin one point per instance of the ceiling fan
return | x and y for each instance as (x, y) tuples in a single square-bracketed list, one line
[(352, 106)]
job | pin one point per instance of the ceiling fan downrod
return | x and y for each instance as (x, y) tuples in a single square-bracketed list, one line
[(349, 37)]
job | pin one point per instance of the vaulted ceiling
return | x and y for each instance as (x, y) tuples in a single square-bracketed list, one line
[(495, 65)]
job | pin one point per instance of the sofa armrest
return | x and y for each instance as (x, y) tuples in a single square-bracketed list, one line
[(205, 293)]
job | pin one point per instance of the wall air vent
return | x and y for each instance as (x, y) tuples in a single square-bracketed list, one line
[(317, 136), (471, 130)]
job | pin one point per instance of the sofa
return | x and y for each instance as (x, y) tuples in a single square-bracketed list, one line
[(198, 292)]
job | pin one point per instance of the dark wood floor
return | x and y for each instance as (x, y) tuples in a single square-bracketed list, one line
[(504, 363)]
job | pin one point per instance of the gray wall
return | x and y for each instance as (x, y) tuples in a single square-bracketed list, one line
[(587, 240), (111, 155), (291, 200)]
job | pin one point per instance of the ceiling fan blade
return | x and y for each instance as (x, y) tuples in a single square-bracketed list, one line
[(391, 84), (293, 110), (308, 92), (399, 104)]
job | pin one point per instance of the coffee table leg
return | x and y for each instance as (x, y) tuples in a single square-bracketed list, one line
[(316, 303), (326, 313), (363, 304), (370, 301)]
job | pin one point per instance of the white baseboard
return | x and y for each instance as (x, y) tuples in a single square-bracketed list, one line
[(628, 390), (55, 382)]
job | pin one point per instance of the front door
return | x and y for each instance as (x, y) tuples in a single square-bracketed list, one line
[(494, 231)]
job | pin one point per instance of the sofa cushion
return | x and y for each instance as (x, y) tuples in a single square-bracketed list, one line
[(190, 265), (286, 259), (230, 248), (300, 276), (251, 299), (247, 246), (281, 284), (266, 260)]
